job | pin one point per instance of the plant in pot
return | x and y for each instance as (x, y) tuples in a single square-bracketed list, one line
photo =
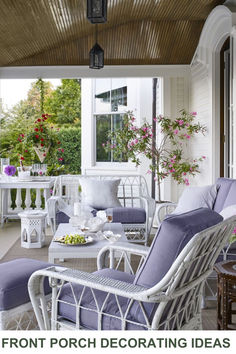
[(40, 140), (167, 156)]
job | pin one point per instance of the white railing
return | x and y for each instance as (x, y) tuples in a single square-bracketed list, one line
[(28, 195)]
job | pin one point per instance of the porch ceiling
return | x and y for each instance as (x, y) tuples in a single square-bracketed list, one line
[(144, 32)]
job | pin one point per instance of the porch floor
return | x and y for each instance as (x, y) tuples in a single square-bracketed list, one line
[(11, 249)]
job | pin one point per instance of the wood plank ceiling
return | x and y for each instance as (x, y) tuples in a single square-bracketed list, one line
[(138, 32)]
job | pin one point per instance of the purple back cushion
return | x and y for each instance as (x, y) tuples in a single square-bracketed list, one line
[(174, 233), (226, 195)]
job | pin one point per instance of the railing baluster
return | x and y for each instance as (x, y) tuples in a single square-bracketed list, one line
[(18, 199), (38, 198), (27, 199), (9, 201)]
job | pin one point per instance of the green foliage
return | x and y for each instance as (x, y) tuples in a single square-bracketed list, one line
[(133, 142), (17, 127), (71, 145), (64, 103)]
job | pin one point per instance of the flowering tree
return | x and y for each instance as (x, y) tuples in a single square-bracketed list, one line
[(132, 142)]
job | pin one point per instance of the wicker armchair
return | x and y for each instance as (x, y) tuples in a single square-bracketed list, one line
[(162, 295)]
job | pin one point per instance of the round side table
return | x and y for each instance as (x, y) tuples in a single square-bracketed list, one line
[(33, 224), (226, 292)]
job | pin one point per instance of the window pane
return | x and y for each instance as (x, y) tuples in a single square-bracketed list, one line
[(103, 127), (102, 95), (117, 124), (119, 95)]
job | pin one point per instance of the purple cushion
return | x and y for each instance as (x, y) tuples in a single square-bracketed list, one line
[(173, 234), (14, 276), (88, 318), (129, 215), (226, 194), (61, 218)]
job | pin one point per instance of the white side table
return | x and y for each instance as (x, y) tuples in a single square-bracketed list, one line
[(33, 228)]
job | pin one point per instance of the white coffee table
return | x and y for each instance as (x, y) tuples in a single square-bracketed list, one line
[(60, 251)]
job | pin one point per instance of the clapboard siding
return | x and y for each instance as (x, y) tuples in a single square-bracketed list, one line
[(200, 102)]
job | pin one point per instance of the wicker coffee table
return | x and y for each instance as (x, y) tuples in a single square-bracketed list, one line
[(60, 251)]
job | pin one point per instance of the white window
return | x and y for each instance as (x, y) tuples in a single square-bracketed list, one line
[(110, 104)]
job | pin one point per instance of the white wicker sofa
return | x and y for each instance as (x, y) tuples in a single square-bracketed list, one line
[(137, 207)]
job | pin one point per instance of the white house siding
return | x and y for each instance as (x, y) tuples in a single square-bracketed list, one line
[(200, 102)]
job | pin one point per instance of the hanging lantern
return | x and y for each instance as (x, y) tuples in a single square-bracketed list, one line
[(97, 11), (96, 57)]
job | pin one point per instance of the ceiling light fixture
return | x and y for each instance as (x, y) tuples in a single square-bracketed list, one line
[(97, 11), (96, 56)]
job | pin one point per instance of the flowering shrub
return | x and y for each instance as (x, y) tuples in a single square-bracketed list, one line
[(42, 137), (10, 170), (132, 142)]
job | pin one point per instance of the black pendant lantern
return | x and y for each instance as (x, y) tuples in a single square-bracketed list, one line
[(96, 57), (97, 11)]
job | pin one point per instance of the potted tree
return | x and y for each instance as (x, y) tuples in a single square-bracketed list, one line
[(131, 142)]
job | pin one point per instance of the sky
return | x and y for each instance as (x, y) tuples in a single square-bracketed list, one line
[(12, 91)]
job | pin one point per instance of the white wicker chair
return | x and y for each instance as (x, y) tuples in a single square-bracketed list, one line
[(177, 297), (132, 192)]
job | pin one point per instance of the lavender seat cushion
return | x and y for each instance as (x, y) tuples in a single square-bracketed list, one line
[(14, 276), (174, 233), (129, 215), (88, 318), (61, 218), (226, 194)]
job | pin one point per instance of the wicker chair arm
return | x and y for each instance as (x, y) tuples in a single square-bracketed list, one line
[(59, 275), (163, 209), (127, 248)]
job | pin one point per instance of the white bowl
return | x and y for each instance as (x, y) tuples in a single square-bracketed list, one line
[(110, 236)]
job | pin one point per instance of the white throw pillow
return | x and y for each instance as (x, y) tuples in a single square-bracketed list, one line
[(196, 197), (100, 194), (228, 212)]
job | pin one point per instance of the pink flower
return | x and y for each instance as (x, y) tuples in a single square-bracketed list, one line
[(203, 157), (155, 179), (170, 165), (186, 181), (136, 141), (176, 131), (181, 122), (191, 169), (193, 113), (149, 172), (60, 159), (155, 119), (234, 232), (184, 173), (187, 136), (103, 144)]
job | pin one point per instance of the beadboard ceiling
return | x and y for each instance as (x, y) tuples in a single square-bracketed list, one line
[(138, 32)]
